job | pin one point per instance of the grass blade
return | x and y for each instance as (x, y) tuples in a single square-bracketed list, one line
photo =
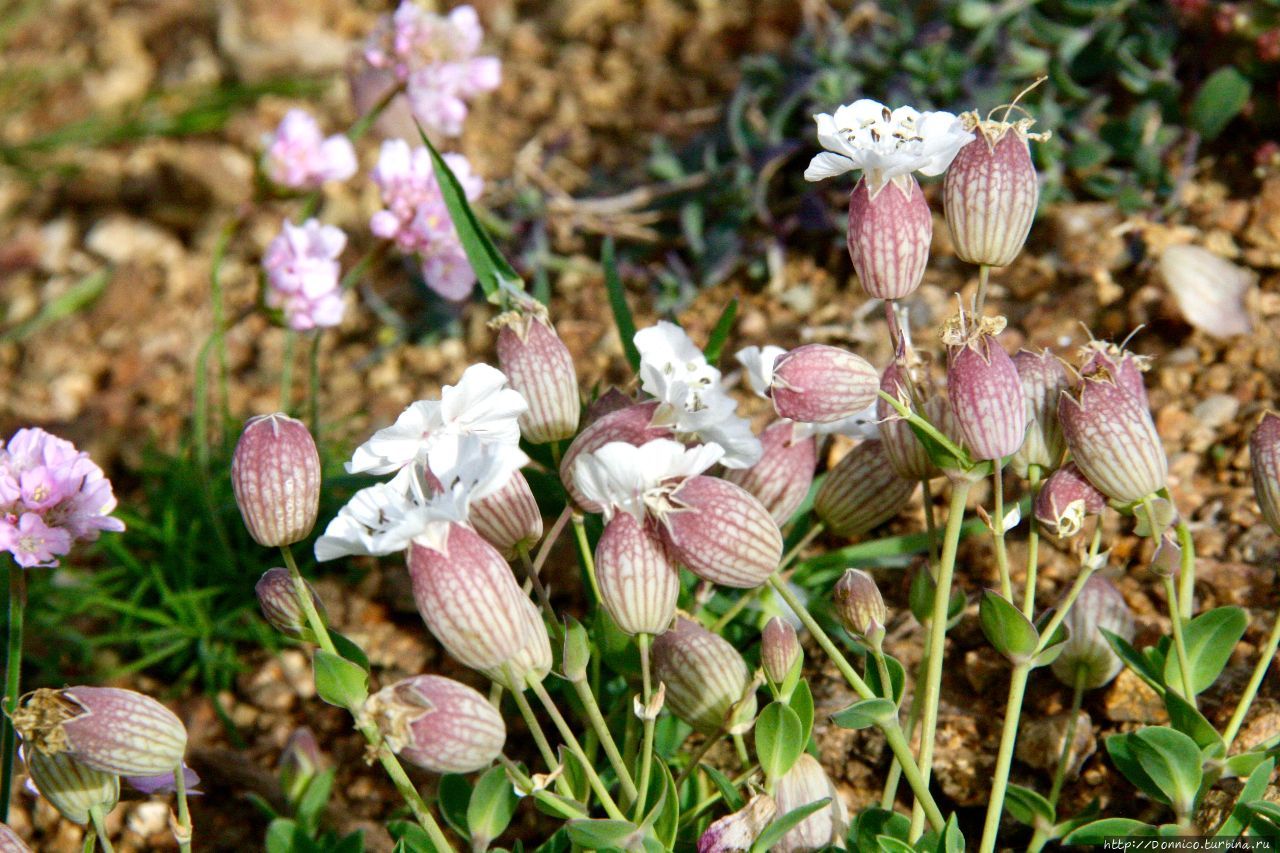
[(618, 302)]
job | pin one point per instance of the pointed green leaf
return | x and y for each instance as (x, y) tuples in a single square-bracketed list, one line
[(1120, 749), (897, 678), (1252, 790), (603, 834), (1173, 762), (779, 742), (781, 826), (339, 681), (1220, 99), (493, 803), (732, 799), (1006, 628), (865, 713), (1028, 807), (618, 303), (802, 703), (1187, 719), (1210, 638), (720, 332), (454, 798), (1100, 831), (1135, 660)]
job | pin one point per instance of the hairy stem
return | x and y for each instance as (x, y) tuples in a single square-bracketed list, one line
[(12, 679)]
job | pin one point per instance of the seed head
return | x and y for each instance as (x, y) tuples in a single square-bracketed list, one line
[(1066, 499), (438, 724), (275, 473), (705, 677)]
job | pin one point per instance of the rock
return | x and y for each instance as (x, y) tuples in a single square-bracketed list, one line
[(1040, 742), (963, 761), (1131, 700), (149, 818), (122, 239)]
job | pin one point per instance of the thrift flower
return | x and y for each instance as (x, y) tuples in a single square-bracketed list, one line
[(434, 56), (416, 218), (51, 495), (300, 158), (303, 274)]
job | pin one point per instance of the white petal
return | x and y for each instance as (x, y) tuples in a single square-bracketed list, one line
[(828, 165), (758, 362)]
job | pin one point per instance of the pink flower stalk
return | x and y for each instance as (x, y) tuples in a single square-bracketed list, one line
[(816, 383), (1066, 499), (300, 157), (1043, 380), (889, 237), (1113, 439), (416, 218), (986, 397), (435, 57), (539, 366), (1264, 459), (51, 496), (782, 477), (438, 724), (862, 491), (303, 274), (707, 682), (990, 192), (275, 473)]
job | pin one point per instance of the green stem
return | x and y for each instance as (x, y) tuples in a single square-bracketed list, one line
[(984, 274), (937, 640), (584, 549), (90, 842), (571, 740), (362, 125), (692, 814), (100, 829), (531, 571), (182, 830), (1002, 556), (1004, 758), (286, 371), (410, 794), (740, 747), (1187, 571), (523, 780), (1064, 757), (12, 679), (695, 759), (890, 795), (601, 729), (645, 641), (1255, 681), (920, 423), (1179, 643), (892, 731), (1033, 547), (930, 524), (303, 592)]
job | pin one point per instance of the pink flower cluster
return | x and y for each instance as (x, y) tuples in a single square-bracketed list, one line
[(303, 274), (416, 218), (434, 57), (51, 495), (300, 157)]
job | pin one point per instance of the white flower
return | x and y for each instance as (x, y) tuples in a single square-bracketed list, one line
[(627, 478), (885, 144), (758, 362), (480, 404), (692, 402)]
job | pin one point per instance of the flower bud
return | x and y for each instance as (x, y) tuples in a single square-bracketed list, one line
[(638, 582), (632, 425), (782, 477), (1086, 653), (990, 193), (721, 533), (705, 678), (986, 398), (438, 724), (859, 606), (10, 842), (279, 602), (539, 366), (738, 831), (819, 384), (905, 452), (779, 649), (71, 786), (300, 761), (889, 236), (508, 519), (1112, 439), (471, 603), (806, 782), (1264, 458), (106, 728), (275, 473), (1124, 367), (1043, 379), (1066, 499), (861, 492)]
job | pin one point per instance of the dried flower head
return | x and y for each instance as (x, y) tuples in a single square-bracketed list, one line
[(275, 473), (438, 724), (1066, 499), (737, 832)]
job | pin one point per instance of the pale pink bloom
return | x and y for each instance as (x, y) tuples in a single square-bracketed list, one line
[(434, 56), (32, 542), (416, 218), (303, 274), (300, 157)]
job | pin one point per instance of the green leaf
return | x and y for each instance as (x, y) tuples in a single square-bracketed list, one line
[(664, 815), (889, 844), (897, 679), (874, 822), (781, 826), (1120, 749), (865, 713), (1135, 660), (493, 803), (1113, 827), (491, 268), (1173, 762), (618, 303), (1027, 807), (920, 596), (603, 834), (1252, 790), (1220, 99), (280, 835), (802, 703), (411, 838), (1187, 719), (779, 739), (1006, 628), (1210, 638), (339, 681), (732, 799), (314, 798), (1243, 764), (349, 650), (454, 798), (720, 332)]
